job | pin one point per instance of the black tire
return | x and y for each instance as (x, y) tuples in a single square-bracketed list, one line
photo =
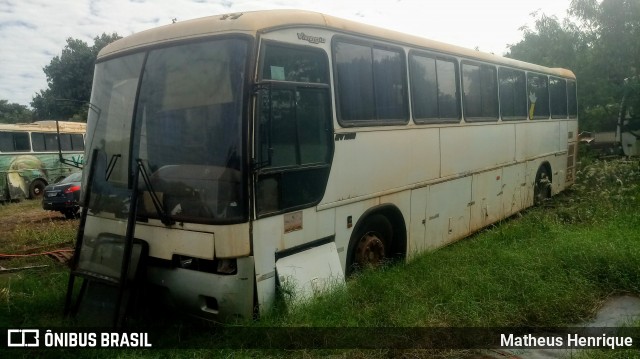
[(542, 186), (370, 244), (71, 214), (36, 189)]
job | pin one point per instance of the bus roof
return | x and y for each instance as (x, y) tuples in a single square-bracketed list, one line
[(45, 126), (267, 20)]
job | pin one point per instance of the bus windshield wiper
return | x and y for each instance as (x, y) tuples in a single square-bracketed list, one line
[(111, 165), (165, 218)]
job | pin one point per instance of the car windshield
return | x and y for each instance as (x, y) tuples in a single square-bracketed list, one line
[(185, 130), (75, 177)]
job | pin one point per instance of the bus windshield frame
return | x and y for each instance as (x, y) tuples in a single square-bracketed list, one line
[(179, 110)]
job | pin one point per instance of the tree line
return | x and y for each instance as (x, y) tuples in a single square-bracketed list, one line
[(599, 41), (69, 80)]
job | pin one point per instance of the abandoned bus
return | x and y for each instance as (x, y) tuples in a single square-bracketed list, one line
[(32, 155), (235, 152)]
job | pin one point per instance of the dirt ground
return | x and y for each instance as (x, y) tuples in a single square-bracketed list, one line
[(27, 228), (16, 215)]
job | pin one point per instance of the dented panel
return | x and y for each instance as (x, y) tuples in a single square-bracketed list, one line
[(232, 241), (515, 189), (448, 212), (310, 272), (487, 192)]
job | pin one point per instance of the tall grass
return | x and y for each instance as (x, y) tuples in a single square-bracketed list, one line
[(32, 296), (552, 266)]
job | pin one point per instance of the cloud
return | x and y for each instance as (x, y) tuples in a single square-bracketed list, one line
[(32, 32)]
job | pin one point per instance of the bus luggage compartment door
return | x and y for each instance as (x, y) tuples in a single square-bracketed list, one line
[(304, 274)]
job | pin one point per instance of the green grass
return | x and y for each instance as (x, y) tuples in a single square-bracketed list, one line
[(551, 266)]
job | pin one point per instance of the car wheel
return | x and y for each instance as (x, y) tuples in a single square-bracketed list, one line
[(71, 214)]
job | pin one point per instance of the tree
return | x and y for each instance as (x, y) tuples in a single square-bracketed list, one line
[(14, 113), (602, 49), (550, 43), (69, 79)]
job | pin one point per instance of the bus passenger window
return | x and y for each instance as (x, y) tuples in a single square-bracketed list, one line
[(558, 97), (513, 94), (434, 89), (371, 84), (77, 142), (37, 141), (14, 142), (538, 93), (480, 92)]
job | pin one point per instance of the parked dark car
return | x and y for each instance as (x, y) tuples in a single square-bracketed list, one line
[(63, 196)]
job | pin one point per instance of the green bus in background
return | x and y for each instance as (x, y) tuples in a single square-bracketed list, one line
[(33, 155)]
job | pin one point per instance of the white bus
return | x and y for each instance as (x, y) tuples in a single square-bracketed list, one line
[(33, 155), (238, 151)]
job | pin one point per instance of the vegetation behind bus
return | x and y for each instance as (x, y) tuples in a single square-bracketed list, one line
[(551, 267), (600, 44)]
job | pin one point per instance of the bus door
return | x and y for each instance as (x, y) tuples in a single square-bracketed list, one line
[(292, 155)]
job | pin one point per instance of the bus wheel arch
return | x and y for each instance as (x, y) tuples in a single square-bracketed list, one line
[(36, 188), (542, 184), (378, 236)]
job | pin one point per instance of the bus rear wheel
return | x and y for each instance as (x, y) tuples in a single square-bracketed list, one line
[(36, 189), (542, 186), (371, 243)]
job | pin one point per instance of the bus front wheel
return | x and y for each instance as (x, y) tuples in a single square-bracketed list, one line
[(370, 245), (36, 189)]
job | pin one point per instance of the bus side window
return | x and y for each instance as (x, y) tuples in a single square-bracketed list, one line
[(434, 89), (14, 142), (538, 92), (558, 97), (480, 87), (371, 84), (513, 94), (37, 141)]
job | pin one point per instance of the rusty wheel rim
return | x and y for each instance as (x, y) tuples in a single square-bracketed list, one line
[(370, 250)]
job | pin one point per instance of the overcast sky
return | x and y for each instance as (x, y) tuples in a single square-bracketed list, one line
[(32, 32)]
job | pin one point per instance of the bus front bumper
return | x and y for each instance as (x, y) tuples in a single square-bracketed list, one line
[(217, 297)]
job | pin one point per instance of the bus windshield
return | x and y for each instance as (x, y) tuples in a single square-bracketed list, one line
[(185, 129)]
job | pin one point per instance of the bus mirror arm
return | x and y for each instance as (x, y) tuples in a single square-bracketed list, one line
[(61, 158)]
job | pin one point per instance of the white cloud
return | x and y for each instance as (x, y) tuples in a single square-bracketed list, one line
[(32, 32)]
